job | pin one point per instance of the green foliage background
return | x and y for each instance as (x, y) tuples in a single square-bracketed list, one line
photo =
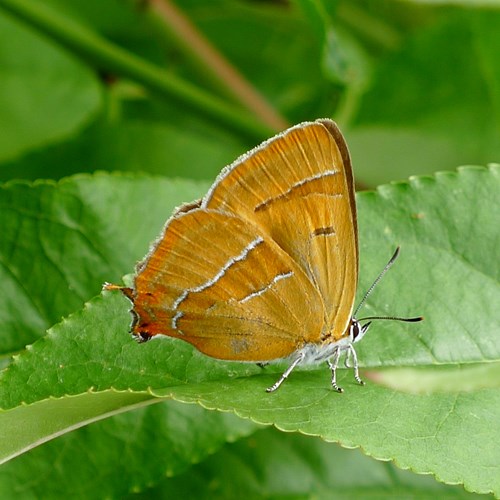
[(88, 86)]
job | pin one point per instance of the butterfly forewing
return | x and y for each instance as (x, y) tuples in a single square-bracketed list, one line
[(297, 188), (218, 282)]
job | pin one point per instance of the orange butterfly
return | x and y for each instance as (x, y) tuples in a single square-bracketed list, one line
[(265, 265)]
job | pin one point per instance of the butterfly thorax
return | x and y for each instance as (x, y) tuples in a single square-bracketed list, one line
[(318, 352)]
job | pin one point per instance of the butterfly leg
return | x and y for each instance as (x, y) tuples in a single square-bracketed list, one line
[(333, 367), (297, 360), (347, 360), (354, 356)]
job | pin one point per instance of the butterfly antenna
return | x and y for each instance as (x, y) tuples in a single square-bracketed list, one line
[(379, 277), (394, 318)]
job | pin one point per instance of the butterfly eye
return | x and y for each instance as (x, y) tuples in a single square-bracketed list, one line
[(355, 330)]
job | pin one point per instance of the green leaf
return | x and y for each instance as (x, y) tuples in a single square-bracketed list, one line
[(431, 218), (270, 464), (281, 38), (45, 94), (446, 378), (111, 58), (39, 424), (434, 103), (446, 227), (464, 3), (132, 145), (114, 457), (429, 434), (60, 242)]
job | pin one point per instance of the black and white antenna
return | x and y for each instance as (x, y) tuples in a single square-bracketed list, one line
[(370, 290)]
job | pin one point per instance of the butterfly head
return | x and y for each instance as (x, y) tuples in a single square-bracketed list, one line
[(357, 331)]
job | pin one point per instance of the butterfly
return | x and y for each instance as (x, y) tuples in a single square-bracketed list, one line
[(265, 266)]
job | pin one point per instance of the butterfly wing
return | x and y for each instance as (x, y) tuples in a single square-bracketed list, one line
[(216, 282), (298, 189)]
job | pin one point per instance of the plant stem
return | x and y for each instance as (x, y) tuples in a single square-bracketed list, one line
[(374, 29), (214, 64), (115, 60)]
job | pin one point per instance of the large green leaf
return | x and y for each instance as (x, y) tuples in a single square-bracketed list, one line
[(439, 433)]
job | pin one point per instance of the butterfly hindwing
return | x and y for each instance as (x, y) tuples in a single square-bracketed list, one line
[(214, 280)]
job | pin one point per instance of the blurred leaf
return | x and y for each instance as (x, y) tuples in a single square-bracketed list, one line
[(344, 62), (443, 379), (45, 95), (429, 217), (433, 104), (464, 3), (270, 464), (133, 145), (172, 125), (40, 425), (283, 59), (112, 59), (112, 17), (111, 458), (120, 21)]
